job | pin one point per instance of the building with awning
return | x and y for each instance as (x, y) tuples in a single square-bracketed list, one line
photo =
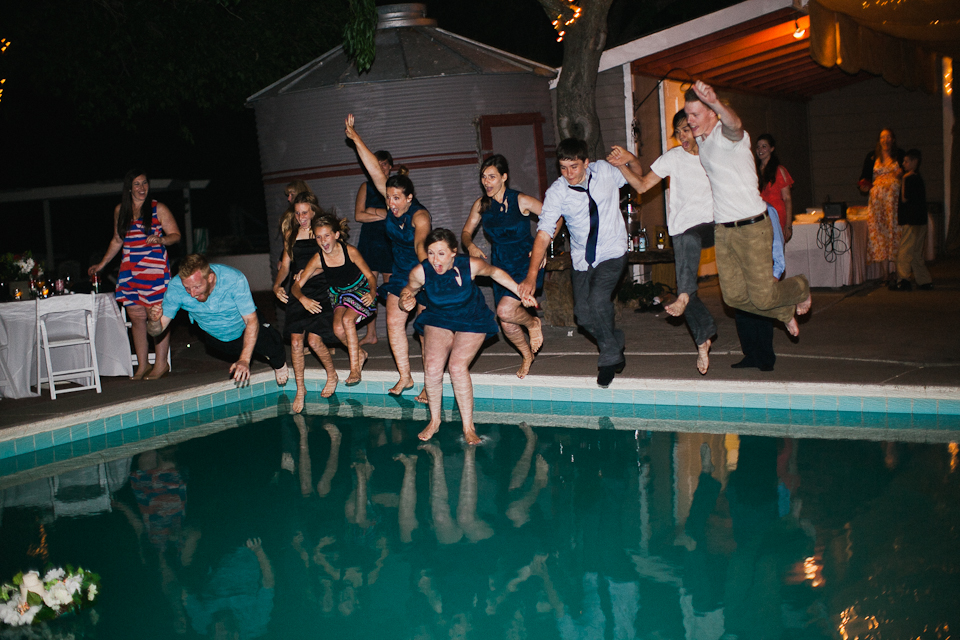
[(823, 78)]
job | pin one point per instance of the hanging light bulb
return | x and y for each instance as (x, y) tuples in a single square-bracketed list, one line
[(798, 32)]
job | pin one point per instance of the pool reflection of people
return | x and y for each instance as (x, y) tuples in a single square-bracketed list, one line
[(455, 323)]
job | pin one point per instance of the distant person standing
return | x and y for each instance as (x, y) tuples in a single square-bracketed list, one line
[(691, 216), (144, 233), (371, 212), (587, 196), (881, 174), (912, 218), (775, 183), (744, 235)]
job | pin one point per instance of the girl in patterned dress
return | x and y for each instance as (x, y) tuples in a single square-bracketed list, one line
[(352, 287), (144, 269)]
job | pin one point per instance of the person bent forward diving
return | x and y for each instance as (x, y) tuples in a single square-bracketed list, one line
[(744, 235)]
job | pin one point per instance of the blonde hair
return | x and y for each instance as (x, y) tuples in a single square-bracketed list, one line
[(331, 220)]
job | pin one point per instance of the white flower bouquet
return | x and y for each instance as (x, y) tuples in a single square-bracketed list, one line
[(30, 598), (20, 266)]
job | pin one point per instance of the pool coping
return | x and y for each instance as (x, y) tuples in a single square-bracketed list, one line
[(928, 407)]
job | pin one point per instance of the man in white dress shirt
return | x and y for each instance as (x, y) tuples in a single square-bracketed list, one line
[(744, 235), (587, 196)]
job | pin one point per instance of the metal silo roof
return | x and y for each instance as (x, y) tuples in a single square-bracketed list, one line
[(409, 47)]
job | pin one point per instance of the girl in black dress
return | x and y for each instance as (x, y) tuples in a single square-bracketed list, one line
[(352, 289), (299, 247)]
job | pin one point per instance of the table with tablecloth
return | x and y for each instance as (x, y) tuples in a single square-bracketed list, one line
[(831, 254), (18, 344)]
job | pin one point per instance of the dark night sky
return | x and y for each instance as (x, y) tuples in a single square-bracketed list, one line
[(50, 138)]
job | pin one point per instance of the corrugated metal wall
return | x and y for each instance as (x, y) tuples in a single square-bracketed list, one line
[(610, 104), (428, 124)]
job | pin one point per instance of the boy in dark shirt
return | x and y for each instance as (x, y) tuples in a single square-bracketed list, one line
[(912, 216)]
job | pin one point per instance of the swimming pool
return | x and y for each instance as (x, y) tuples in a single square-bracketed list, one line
[(577, 522)]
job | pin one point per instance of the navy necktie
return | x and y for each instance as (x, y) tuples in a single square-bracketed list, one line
[(591, 250)]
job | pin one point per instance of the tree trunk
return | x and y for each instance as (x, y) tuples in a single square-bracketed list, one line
[(583, 44)]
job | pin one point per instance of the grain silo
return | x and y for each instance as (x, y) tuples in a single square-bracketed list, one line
[(437, 101)]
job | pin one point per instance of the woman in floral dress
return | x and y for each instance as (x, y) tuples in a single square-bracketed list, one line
[(882, 170)]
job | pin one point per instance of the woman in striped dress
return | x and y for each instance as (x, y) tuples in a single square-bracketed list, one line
[(144, 268)]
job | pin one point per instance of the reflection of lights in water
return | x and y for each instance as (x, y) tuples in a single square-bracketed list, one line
[(40, 550), (852, 626), (954, 450), (813, 570), (732, 444)]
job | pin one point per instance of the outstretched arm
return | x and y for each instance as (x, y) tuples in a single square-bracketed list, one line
[(732, 126), (369, 160), (313, 267), (480, 267), (469, 229), (408, 297), (539, 252), (157, 323), (630, 167)]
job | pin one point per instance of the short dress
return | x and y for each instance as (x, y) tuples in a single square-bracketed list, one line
[(453, 301), (144, 268), (508, 231), (347, 285), (373, 244), (298, 319), (401, 234), (772, 194)]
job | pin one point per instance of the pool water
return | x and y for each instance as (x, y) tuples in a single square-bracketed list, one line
[(325, 526)]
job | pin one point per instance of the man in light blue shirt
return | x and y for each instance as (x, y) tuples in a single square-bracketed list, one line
[(217, 298), (587, 196)]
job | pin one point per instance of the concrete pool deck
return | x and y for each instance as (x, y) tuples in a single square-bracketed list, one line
[(862, 341)]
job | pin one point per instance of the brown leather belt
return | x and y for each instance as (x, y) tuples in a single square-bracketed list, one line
[(745, 221)]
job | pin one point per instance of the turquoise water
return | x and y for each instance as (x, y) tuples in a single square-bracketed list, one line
[(541, 532)]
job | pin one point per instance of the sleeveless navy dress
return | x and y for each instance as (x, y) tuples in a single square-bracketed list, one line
[(453, 301), (298, 319), (401, 234), (373, 243), (508, 231)]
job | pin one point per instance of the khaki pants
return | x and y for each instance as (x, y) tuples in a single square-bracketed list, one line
[(910, 256), (745, 267)]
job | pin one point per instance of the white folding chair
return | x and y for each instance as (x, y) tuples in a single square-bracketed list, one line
[(151, 356), (67, 321)]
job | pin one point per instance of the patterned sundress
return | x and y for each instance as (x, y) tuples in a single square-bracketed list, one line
[(144, 269), (884, 239), (348, 285)]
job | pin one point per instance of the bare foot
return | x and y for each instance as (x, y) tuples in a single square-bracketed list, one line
[(369, 338), (430, 431), (298, 401), (306, 350), (792, 327), (804, 307), (524, 367), (282, 374), (422, 396), (354, 377), (470, 435), (536, 336), (703, 356), (678, 306), (400, 387), (331, 385)]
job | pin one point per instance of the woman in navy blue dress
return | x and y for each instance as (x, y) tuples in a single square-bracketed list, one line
[(371, 212), (505, 216), (454, 323), (407, 227)]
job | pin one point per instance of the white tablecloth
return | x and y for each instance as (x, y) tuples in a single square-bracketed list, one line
[(803, 255), (18, 337)]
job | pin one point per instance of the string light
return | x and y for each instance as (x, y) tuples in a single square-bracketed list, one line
[(4, 43), (947, 76), (560, 24)]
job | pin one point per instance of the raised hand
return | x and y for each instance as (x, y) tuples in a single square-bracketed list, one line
[(348, 128), (705, 92)]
